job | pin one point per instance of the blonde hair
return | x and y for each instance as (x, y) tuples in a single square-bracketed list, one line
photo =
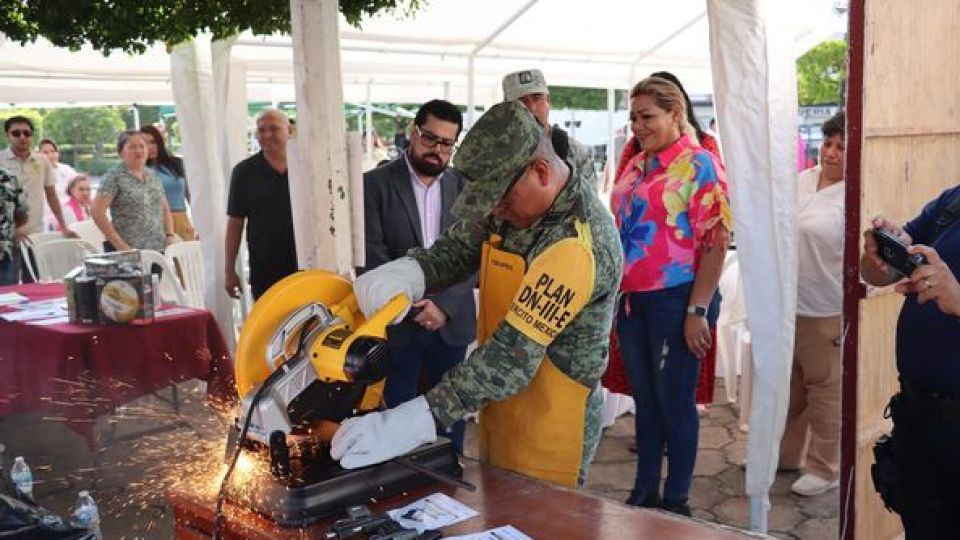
[(667, 96)]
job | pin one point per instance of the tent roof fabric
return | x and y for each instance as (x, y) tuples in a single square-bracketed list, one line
[(600, 44)]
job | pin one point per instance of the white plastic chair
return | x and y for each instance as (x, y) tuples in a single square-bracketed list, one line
[(43, 237), (57, 257), (88, 230), (170, 289), (732, 329), (26, 249), (187, 259)]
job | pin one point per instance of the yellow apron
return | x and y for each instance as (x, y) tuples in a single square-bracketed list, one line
[(539, 431)]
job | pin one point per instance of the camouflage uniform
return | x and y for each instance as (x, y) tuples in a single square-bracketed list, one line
[(506, 363), (581, 160), (13, 206)]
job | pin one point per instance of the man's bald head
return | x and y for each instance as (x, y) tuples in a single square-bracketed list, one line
[(273, 114), (273, 131)]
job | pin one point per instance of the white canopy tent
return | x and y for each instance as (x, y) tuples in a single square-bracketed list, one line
[(459, 50), (605, 44)]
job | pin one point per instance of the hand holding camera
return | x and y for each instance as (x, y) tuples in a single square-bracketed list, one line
[(894, 252), (887, 251), (933, 281)]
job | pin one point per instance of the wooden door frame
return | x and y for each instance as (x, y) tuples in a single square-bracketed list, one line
[(853, 290)]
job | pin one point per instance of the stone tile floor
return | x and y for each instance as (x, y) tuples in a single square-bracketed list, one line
[(717, 493), (129, 488)]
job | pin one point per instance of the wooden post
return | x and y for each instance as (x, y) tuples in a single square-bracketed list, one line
[(320, 131)]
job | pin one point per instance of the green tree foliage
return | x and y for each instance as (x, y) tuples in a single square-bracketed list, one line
[(591, 99), (821, 72), (84, 126), (133, 25), (566, 97), (149, 114)]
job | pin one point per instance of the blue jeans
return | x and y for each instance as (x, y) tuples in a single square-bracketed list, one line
[(427, 353), (663, 374), (9, 269)]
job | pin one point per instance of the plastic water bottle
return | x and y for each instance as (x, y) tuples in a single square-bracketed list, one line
[(86, 514), (22, 477)]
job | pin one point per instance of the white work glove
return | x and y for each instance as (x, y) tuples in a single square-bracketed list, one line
[(378, 286), (380, 436)]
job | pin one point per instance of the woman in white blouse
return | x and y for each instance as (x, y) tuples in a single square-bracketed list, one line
[(815, 379)]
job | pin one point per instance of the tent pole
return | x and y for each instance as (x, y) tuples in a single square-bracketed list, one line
[(611, 167), (369, 124), (471, 98), (756, 102), (471, 68)]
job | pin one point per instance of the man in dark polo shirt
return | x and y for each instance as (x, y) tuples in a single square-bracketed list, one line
[(260, 197)]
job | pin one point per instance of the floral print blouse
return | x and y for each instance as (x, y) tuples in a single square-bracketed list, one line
[(668, 213)]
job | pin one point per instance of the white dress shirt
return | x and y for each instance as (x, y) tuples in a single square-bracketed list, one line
[(429, 204)]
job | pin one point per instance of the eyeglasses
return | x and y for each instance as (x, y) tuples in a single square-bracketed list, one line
[(514, 181), (433, 141), (21, 133)]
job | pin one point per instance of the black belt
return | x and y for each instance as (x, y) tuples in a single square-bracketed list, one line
[(930, 404)]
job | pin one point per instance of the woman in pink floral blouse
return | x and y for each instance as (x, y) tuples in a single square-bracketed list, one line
[(674, 218)]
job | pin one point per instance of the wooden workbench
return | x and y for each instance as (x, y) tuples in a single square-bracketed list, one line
[(539, 510)]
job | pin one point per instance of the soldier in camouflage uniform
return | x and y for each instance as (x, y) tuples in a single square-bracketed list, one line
[(13, 213), (550, 263), (530, 88)]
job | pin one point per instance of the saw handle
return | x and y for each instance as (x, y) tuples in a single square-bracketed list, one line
[(376, 325)]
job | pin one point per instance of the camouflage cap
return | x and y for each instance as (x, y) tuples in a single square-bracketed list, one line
[(522, 83), (495, 150)]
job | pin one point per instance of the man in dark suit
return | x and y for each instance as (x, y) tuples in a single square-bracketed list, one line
[(407, 204)]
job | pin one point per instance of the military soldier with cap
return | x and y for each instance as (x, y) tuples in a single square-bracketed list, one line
[(530, 88), (549, 260)]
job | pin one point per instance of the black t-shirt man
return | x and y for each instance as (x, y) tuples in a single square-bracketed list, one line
[(261, 195)]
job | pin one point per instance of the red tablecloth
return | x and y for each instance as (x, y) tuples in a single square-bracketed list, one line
[(79, 372)]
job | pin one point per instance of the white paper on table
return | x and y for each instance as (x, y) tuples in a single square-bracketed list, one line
[(432, 512), (31, 314), (10, 298), (47, 322), (169, 312), (507, 532), (49, 303)]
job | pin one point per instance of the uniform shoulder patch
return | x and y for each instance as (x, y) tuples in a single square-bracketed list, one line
[(554, 290)]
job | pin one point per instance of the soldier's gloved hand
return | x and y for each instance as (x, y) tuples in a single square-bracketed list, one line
[(378, 286), (380, 436)]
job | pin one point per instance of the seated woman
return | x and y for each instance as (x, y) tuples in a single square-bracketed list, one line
[(135, 198), (169, 170), (76, 207)]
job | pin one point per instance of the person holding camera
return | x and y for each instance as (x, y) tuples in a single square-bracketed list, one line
[(918, 471)]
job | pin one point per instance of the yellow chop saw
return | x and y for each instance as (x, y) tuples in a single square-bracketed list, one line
[(306, 360)]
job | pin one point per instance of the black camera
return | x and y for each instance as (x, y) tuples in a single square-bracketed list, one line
[(893, 251)]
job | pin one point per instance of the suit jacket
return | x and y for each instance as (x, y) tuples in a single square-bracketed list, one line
[(392, 226)]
